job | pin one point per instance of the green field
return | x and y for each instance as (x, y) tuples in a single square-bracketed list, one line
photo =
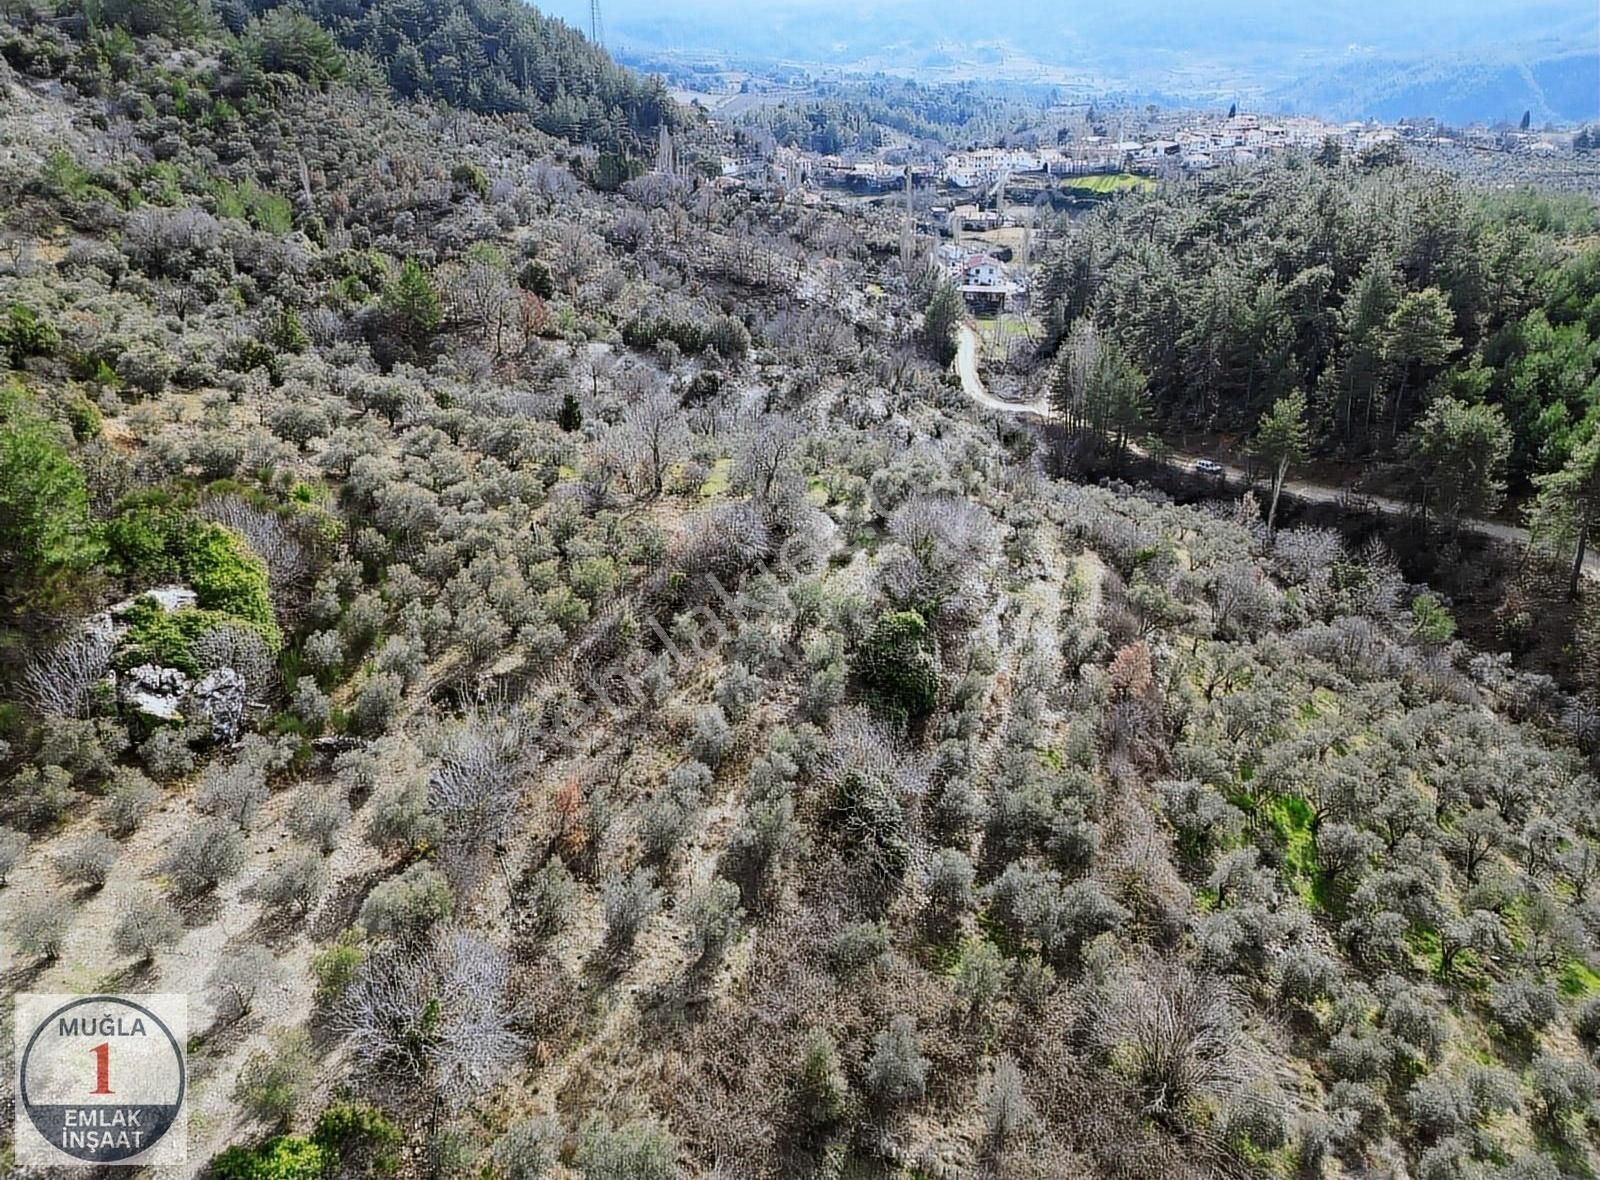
[(1114, 182), (1009, 325)]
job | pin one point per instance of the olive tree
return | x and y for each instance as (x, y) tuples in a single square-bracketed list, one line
[(897, 1072), (146, 922)]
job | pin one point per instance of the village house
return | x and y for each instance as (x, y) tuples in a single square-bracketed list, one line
[(972, 219), (985, 284), (982, 270), (984, 166)]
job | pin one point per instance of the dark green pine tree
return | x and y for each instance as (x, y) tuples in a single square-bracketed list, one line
[(570, 416)]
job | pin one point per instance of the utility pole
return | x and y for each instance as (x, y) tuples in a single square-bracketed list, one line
[(666, 161), (1027, 238), (907, 229), (596, 29)]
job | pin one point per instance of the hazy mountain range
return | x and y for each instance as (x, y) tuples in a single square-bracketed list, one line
[(1347, 58)]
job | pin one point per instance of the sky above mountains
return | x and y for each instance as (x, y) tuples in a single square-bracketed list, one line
[(1359, 56)]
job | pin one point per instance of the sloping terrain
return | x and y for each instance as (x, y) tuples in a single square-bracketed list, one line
[(569, 688)]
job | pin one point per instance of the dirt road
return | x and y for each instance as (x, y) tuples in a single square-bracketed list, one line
[(972, 385)]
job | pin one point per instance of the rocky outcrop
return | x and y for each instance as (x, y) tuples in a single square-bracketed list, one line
[(333, 744), (220, 699), (112, 623), (167, 694), (153, 691), (169, 598)]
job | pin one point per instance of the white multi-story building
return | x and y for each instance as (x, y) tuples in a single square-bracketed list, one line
[(985, 166)]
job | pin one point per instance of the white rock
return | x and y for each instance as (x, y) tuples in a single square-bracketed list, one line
[(154, 691), (219, 697), (170, 598)]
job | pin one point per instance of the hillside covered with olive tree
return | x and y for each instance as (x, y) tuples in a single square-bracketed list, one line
[(544, 654)]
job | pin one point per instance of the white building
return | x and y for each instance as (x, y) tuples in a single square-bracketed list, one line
[(982, 270)]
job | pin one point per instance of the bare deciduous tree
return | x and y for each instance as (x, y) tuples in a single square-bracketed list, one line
[(653, 435), (61, 679), (477, 1042), (438, 1018), (1006, 1108), (240, 979), (479, 775), (766, 454), (946, 546), (1177, 1031), (385, 1012)]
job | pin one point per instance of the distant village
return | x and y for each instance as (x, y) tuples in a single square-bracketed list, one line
[(977, 206), (1196, 144)]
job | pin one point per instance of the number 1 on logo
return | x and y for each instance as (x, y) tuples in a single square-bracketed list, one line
[(102, 1068)]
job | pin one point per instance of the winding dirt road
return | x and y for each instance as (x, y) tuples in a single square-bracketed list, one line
[(972, 384)]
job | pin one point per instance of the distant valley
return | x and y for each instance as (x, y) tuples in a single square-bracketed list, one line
[(1356, 59)]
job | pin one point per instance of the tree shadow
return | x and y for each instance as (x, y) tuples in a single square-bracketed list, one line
[(275, 927), (21, 978), (341, 904), (198, 909), (670, 1008), (209, 1049), (139, 976)]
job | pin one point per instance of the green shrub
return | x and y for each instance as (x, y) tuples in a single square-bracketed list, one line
[(274, 1081), (335, 968), (287, 41), (471, 178), (286, 333), (360, 1137), (593, 578), (872, 823), (283, 1157), (821, 1092), (535, 276), (613, 169), (160, 183), (570, 416), (267, 211), (24, 334), (173, 19), (729, 338), (83, 416), (643, 332), (247, 354), (408, 904), (47, 539), (63, 176), (166, 638), (141, 537), (227, 577), (898, 664), (413, 304), (151, 538), (632, 1151), (222, 114)]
